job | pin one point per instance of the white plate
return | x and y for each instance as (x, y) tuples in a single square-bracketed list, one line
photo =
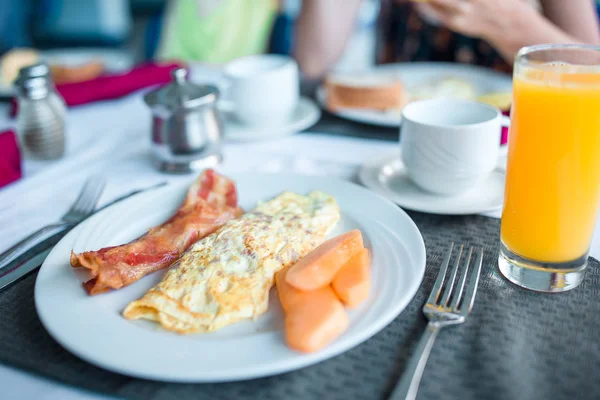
[(484, 81), (114, 61), (307, 113), (387, 177), (93, 328)]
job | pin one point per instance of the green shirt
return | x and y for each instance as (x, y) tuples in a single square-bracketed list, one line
[(232, 29)]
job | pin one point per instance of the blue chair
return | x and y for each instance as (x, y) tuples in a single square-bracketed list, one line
[(152, 33), (81, 23), (282, 35), (14, 24)]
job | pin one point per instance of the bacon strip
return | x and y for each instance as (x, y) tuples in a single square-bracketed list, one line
[(211, 202)]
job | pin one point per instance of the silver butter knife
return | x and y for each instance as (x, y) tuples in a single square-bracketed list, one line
[(34, 257)]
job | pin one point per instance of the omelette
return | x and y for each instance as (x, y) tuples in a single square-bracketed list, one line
[(226, 277)]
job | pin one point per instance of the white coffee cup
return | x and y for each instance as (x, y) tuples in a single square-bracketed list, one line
[(262, 89), (450, 146)]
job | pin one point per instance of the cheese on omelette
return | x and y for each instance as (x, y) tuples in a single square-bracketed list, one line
[(226, 277)]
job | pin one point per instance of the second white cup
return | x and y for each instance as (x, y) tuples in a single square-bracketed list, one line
[(450, 146), (262, 89)]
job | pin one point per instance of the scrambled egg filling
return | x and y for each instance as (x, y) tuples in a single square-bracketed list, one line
[(226, 277)]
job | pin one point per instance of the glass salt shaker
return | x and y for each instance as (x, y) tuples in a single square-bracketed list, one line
[(41, 114)]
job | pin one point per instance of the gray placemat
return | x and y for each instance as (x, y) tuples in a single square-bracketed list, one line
[(515, 345), (336, 126)]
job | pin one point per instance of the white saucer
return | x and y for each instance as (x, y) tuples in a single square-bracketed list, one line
[(387, 176), (307, 113)]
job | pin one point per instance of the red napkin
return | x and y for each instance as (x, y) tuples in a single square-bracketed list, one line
[(10, 158), (108, 87)]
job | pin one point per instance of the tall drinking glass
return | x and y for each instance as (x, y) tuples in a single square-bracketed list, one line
[(553, 172)]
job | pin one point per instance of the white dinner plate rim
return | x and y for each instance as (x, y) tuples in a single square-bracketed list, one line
[(368, 175), (393, 120), (284, 366)]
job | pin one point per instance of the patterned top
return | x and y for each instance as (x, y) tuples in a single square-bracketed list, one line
[(405, 35)]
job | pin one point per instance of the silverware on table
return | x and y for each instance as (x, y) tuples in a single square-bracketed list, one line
[(80, 210), (34, 257), (445, 306)]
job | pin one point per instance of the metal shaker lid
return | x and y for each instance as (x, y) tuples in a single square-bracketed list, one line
[(34, 81), (181, 93)]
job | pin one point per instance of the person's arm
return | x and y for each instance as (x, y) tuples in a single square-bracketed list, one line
[(570, 22), (577, 17), (509, 25), (322, 30)]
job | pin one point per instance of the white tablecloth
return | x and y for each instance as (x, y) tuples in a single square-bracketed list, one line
[(112, 138)]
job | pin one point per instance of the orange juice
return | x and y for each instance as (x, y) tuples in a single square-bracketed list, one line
[(553, 174)]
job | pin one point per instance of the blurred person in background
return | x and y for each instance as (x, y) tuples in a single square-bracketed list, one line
[(482, 32), (326, 34), (216, 31)]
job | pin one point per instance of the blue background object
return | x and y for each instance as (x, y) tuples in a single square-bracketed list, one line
[(77, 22), (14, 24)]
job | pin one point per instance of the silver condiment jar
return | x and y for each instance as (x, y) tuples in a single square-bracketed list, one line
[(41, 114), (186, 125)]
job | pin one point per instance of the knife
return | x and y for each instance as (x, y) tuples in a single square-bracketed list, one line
[(34, 257)]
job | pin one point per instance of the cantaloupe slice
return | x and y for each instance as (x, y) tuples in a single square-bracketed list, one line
[(352, 283), (288, 295), (313, 318), (313, 325), (317, 268)]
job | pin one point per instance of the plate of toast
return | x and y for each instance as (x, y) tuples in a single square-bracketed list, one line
[(377, 96)]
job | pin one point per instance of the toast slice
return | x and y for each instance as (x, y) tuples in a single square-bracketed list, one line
[(362, 91)]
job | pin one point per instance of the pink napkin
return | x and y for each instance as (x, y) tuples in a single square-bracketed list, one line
[(10, 158), (108, 87), (504, 135)]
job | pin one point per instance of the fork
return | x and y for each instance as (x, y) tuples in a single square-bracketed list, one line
[(83, 206), (445, 306)]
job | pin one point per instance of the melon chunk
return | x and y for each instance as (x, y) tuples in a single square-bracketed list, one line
[(352, 283), (289, 296), (313, 319), (317, 268)]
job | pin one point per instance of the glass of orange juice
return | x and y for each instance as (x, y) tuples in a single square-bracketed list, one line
[(553, 172)]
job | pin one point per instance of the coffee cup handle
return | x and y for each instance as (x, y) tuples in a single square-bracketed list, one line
[(225, 102), (505, 122)]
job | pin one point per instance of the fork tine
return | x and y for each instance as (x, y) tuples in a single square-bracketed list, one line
[(437, 286), (84, 193), (472, 287), (88, 197), (453, 273), (93, 198), (94, 195), (461, 284), (80, 196)]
